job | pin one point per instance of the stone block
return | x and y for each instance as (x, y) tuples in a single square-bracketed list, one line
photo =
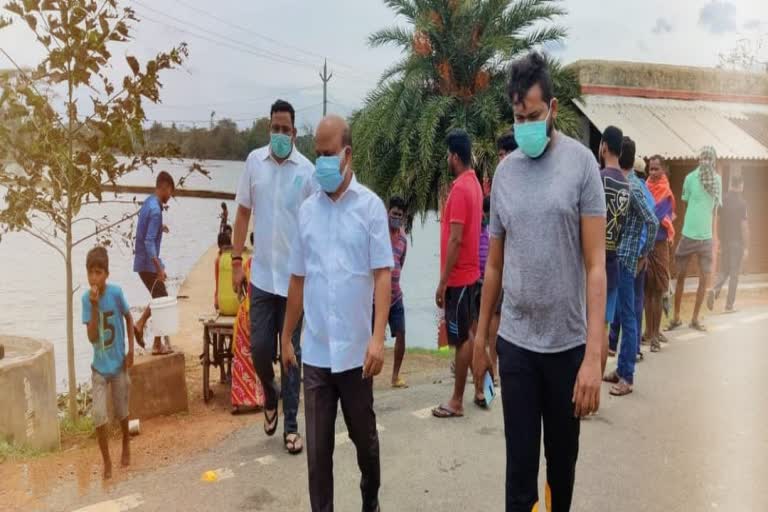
[(158, 386)]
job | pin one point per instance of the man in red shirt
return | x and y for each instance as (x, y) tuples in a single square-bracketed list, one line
[(460, 224)]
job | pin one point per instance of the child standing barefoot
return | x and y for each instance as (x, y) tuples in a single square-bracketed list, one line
[(106, 313)]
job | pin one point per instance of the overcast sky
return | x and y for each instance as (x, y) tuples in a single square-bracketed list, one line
[(245, 53)]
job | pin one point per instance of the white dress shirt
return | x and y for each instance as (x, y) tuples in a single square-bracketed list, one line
[(274, 192), (339, 245)]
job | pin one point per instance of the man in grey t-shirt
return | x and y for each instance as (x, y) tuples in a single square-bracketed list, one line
[(548, 247)]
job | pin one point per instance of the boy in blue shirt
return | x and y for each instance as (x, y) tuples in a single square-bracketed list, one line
[(104, 308)]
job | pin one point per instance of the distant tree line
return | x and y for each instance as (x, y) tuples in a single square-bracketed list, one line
[(222, 141)]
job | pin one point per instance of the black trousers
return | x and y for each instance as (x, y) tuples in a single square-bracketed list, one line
[(322, 392), (536, 387), (732, 256)]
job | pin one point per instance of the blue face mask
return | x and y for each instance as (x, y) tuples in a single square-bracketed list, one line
[(281, 145), (328, 172), (532, 136)]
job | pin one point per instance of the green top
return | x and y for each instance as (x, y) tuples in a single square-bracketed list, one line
[(701, 207)]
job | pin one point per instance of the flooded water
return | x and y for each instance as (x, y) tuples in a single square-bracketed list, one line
[(32, 297)]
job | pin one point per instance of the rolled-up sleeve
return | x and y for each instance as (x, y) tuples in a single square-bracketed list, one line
[(244, 195), (379, 243)]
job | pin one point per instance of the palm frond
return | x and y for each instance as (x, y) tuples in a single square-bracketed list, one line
[(397, 36)]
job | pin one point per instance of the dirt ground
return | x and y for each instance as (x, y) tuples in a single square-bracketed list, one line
[(25, 480)]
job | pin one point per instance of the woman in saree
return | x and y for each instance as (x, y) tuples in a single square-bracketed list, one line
[(247, 391)]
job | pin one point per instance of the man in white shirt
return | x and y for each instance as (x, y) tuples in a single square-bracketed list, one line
[(341, 256), (276, 181)]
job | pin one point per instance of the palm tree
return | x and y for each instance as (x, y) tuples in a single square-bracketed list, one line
[(452, 74)]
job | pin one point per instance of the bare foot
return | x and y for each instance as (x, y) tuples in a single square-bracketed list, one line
[(125, 459), (107, 470)]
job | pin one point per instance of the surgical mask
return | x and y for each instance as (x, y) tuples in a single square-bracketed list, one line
[(532, 136), (281, 145), (328, 172), (395, 222)]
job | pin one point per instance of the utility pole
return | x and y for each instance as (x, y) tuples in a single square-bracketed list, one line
[(325, 77)]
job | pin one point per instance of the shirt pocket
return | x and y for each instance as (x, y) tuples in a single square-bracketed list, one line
[(353, 245), (292, 193)]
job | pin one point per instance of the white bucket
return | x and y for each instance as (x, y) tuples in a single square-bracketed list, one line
[(165, 316)]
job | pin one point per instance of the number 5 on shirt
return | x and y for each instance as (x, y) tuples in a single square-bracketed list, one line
[(107, 329)]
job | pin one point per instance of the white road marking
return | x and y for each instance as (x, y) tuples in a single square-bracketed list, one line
[(266, 460), (691, 336), (119, 505), (423, 414), (754, 318)]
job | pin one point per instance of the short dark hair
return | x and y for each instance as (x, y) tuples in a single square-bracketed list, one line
[(487, 204), (224, 240), (283, 106), (627, 158), (612, 137), (526, 72), (507, 142), (660, 159), (98, 258), (460, 144), (397, 202), (165, 179)]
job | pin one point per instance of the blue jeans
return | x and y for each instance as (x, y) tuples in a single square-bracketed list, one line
[(628, 320), (267, 314), (613, 341)]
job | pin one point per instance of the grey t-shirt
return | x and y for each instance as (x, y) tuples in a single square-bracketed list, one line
[(536, 207)]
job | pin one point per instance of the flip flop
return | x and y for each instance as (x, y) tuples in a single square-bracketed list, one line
[(674, 324), (400, 384), (270, 424), (710, 300), (622, 388), (698, 326), (293, 446), (612, 377), (481, 403), (442, 411)]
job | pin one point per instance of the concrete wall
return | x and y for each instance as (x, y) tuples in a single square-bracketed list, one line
[(28, 410)]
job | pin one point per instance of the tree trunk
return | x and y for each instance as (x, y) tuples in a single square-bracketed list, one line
[(71, 375)]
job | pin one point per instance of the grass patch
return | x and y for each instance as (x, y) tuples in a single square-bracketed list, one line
[(12, 452), (82, 427), (442, 354)]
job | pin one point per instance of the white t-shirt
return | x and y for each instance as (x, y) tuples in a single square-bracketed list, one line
[(274, 192)]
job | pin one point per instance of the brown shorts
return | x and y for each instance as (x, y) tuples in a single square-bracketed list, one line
[(688, 248), (119, 386)]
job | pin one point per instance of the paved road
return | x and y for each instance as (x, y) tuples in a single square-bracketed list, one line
[(693, 437)]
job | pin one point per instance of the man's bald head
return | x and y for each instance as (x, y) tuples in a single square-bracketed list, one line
[(332, 136)]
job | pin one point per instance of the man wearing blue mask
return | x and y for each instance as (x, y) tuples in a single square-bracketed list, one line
[(276, 181), (340, 259), (548, 247)]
